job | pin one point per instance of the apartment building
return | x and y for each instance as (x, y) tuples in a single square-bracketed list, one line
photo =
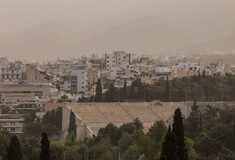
[(12, 123), (77, 81), (117, 59), (11, 72)]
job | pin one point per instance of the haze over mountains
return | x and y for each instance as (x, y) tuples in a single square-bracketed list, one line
[(77, 27)]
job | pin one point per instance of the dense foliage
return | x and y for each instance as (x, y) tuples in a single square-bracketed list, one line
[(201, 88), (213, 132), (50, 123)]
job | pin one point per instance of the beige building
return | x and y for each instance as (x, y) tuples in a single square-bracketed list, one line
[(33, 75), (92, 76), (18, 92), (117, 59)]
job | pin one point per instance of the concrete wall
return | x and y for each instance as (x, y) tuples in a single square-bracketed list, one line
[(82, 130), (65, 122)]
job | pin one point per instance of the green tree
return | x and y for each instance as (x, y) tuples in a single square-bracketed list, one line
[(178, 130), (98, 95), (126, 127), (110, 132), (193, 123), (157, 135), (51, 123), (189, 143), (71, 153), (133, 152), (124, 94), (30, 147), (125, 142), (167, 91), (5, 137), (82, 150), (14, 150), (140, 90), (107, 155), (45, 148), (169, 147), (138, 125), (56, 151)]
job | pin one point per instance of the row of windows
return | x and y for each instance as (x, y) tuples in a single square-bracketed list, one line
[(12, 130)]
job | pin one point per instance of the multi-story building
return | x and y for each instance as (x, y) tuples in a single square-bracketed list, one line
[(76, 82), (117, 59), (18, 92), (163, 72), (11, 72), (12, 123), (4, 61), (79, 79)]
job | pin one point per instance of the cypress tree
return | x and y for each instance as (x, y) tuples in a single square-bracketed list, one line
[(125, 90), (234, 90), (140, 89), (167, 91), (72, 123), (111, 94), (14, 150), (132, 92), (169, 147), (204, 74), (178, 130), (45, 147), (98, 94)]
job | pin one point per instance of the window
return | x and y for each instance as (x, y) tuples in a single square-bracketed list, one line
[(12, 123), (13, 130)]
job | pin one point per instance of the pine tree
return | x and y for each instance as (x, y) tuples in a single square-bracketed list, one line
[(169, 147), (167, 91), (98, 95), (72, 123), (45, 147), (14, 150), (178, 130), (138, 125)]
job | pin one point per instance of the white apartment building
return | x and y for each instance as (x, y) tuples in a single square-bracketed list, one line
[(79, 79), (189, 66), (117, 59)]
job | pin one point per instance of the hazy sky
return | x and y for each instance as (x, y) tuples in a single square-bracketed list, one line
[(202, 20)]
